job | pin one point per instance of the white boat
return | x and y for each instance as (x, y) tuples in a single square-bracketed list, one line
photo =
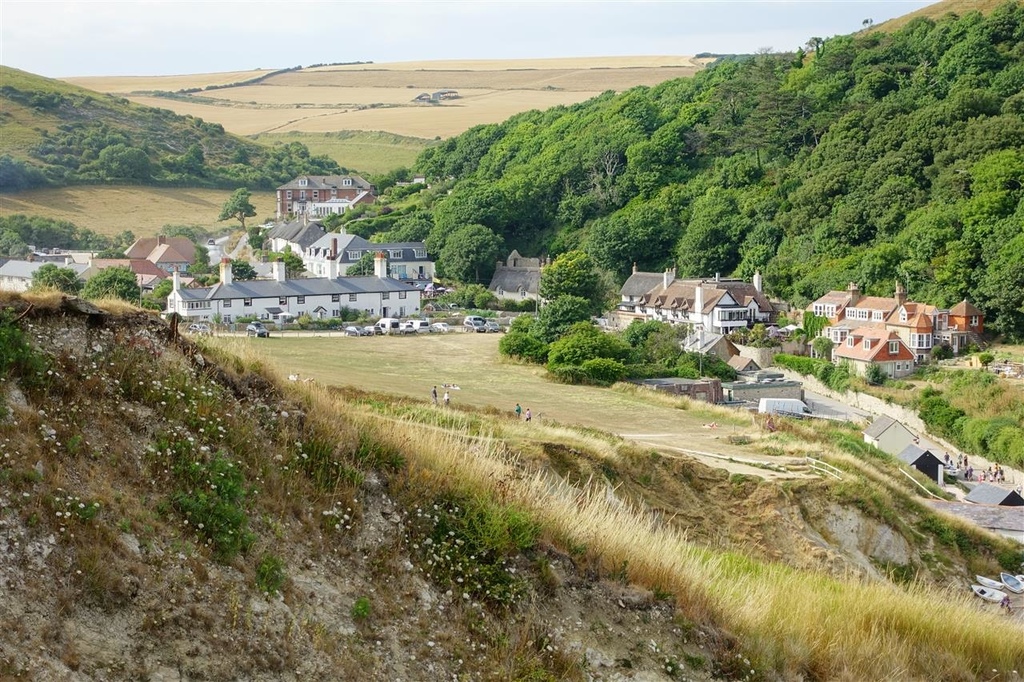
[(989, 594), (1012, 582), (989, 583)]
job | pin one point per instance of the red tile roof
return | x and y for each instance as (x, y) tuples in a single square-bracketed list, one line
[(878, 352)]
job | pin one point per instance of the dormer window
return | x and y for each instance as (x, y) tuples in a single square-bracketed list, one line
[(354, 255), (347, 182), (849, 341), (867, 344), (894, 347), (420, 253), (395, 253), (903, 314), (303, 182)]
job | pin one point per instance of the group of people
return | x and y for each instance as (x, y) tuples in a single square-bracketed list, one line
[(447, 396), (994, 473), (519, 412)]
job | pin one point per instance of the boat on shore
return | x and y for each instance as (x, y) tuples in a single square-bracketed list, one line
[(1013, 583), (989, 594), (989, 583)]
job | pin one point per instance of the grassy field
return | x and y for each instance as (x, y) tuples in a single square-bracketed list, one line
[(365, 151), (410, 366), (378, 97), (143, 210), (938, 10)]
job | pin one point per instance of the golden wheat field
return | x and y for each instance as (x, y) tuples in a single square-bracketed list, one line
[(143, 210), (379, 97)]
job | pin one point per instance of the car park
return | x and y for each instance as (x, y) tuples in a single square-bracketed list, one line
[(440, 328), (257, 329), (200, 328)]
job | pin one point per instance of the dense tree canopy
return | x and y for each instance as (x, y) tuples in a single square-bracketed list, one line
[(118, 282), (52, 276), (870, 158)]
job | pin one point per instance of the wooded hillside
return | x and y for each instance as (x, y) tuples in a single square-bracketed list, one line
[(54, 133), (868, 158)]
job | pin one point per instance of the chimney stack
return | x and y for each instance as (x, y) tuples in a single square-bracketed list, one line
[(278, 270), (634, 267), (175, 281), (854, 291), (669, 276), (334, 248), (901, 293), (161, 240), (225, 271), (757, 281), (698, 299), (380, 265)]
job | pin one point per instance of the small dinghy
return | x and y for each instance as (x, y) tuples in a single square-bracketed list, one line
[(989, 583), (1012, 582), (989, 594)]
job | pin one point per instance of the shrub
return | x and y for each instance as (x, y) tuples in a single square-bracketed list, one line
[(270, 574), (520, 345), (604, 371), (798, 363), (942, 352), (211, 501), (361, 609), (875, 375)]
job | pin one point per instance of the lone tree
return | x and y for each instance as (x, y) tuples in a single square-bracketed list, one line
[(116, 282), (238, 207)]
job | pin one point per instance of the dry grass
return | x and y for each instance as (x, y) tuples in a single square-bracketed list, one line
[(110, 210), (792, 622), (126, 84), (938, 10), (371, 97)]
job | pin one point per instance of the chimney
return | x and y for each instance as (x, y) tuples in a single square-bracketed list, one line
[(669, 276), (278, 270), (901, 293), (757, 281), (176, 281), (161, 240), (718, 276), (634, 267), (380, 265), (854, 291), (334, 248), (225, 271), (698, 300)]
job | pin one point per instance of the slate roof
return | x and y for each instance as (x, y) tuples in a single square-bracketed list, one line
[(987, 516), (319, 286), (321, 248), (880, 426), (298, 232), (912, 453), (993, 494), (681, 294), (327, 182), (23, 269)]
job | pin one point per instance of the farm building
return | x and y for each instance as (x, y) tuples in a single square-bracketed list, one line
[(993, 494), (888, 435), (922, 460)]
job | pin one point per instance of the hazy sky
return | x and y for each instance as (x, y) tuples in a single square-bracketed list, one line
[(93, 38)]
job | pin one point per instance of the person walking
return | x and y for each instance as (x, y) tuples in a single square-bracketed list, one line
[(519, 411), (528, 414), (447, 398), (433, 394)]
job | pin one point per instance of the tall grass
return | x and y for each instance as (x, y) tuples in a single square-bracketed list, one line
[(789, 622)]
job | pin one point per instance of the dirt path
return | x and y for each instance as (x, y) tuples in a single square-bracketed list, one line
[(411, 365)]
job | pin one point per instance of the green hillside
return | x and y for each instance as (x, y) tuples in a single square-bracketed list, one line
[(54, 133), (870, 158)]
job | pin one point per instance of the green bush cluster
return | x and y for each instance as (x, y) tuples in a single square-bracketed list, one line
[(836, 377), (210, 496), (1000, 439)]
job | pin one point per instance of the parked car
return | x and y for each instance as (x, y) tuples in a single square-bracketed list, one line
[(257, 329), (200, 328), (373, 330), (474, 324), (440, 327), (493, 326), (354, 331), (418, 326)]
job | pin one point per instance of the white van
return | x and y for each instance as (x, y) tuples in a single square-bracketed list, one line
[(418, 327), (783, 406), (389, 325)]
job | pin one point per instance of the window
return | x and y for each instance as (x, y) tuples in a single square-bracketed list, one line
[(335, 298), (395, 253), (300, 299), (335, 312), (876, 315), (227, 303), (352, 298), (303, 182), (316, 195), (282, 300), (867, 344), (974, 320), (302, 195), (334, 192), (849, 341), (420, 253), (288, 194), (354, 254), (246, 301), (385, 296), (403, 294), (894, 347), (903, 314), (347, 182)]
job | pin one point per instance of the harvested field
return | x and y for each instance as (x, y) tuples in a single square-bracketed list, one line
[(125, 84), (379, 97), (110, 210)]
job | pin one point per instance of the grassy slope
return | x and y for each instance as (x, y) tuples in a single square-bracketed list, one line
[(938, 10), (369, 152), (143, 210), (309, 449)]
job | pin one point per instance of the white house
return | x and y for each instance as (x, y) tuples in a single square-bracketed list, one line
[(333, 254), (16, 275), (716, 305), (320, 298)]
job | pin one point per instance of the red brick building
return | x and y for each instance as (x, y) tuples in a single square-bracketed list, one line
[(303, 194)]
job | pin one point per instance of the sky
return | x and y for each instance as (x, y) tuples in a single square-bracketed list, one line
[(134, 37)]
